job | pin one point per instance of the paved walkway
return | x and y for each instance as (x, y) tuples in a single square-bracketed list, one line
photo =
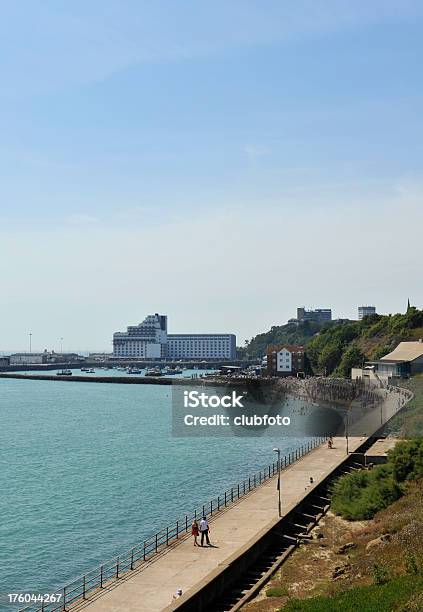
[(184, 565), (150, 588)]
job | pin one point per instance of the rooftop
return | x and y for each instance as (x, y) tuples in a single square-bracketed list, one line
[(405, 351)]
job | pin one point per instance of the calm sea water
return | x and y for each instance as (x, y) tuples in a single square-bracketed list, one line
[(89, 470)]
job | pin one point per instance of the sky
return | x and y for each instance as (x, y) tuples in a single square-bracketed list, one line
[(221, 162)]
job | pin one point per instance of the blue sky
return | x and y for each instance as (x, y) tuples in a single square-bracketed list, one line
[(222, 162)]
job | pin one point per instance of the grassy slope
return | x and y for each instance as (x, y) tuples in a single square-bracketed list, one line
[(374, 598)]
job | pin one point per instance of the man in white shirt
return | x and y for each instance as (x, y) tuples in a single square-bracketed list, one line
[(204, 530)]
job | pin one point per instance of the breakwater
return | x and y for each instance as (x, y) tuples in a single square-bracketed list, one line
[(327, 390)]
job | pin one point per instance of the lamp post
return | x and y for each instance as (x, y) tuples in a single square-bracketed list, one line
[(278, 451), (30, 342), (346, 427)]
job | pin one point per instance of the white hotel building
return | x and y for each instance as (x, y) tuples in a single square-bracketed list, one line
[(150, 340)]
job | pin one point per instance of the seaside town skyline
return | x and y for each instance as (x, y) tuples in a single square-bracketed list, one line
[(301, 314)]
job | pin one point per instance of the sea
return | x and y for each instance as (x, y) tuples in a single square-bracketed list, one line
[(90, 470)]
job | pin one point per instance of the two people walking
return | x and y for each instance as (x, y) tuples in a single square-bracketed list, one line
[(203, 529)]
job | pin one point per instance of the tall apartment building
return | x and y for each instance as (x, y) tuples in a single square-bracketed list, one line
[(150, 340), (364, 311), (321, 315)]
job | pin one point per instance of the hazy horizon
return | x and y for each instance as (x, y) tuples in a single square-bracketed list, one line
[(221, 163)]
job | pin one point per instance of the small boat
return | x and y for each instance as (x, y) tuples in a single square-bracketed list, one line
[(90, 371), (64, 373), (172, 371), (133, 371), (153, 372)]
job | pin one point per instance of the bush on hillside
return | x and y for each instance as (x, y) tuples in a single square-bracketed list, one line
[(352, 358), (406, 460), (359, 495)]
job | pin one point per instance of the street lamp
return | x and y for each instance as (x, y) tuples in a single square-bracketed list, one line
[(30, 341), (346, 426), (278, 450)]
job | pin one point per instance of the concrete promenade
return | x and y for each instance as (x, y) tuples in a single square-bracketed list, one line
[(150, 587)]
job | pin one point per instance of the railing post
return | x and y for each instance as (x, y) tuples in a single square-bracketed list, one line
[(232, 494), (117, 567), (211, 507), (238, 490), (186, 522), (285, 460), (225, 499), (177, 529), (132, 559), (260, 477), (156, 542), (167, 536), (218, 503), (64, 598), (254, 480), (101, 576), (195, 514), (83, 587), (204, 514), (243, 484), (249, 483), (143, 554), (269, 471)]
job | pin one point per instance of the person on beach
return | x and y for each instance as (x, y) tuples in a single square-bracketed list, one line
[(195, 531), (204, 530), (330, 443)]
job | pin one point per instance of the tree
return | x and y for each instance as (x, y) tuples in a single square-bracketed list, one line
[(352, 358), (329, 358)]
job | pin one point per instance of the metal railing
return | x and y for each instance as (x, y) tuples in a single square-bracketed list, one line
[(145, 551)]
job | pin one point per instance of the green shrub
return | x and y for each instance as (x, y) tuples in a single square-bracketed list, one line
[(373, 598), (359, 495), (407, 460), (411, 564), (276, 591), (380, 574)]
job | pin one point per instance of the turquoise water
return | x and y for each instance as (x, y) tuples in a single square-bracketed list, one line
[(90, 470)]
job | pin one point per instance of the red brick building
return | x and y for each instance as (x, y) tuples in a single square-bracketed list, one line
[(285, 360)]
